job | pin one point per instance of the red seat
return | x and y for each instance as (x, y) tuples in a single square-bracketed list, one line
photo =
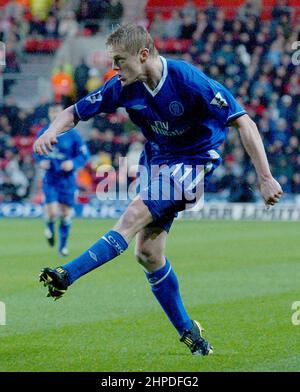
[(230, 7), (46, 45), (173, 45)]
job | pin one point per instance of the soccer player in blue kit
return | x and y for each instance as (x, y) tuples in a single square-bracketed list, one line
[(59, 180), (184, 116)]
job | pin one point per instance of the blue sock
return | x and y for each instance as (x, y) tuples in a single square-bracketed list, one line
[(106, 248), (164, 285), (64, 231), (50, 225)]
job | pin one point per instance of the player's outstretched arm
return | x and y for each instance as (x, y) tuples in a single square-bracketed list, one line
[(270, 189), (63, 122)]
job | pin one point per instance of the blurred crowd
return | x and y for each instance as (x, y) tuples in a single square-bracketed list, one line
[(252, 57), (24, 21), (25, 24)]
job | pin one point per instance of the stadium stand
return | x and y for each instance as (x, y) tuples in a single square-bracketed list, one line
[(246, 45)]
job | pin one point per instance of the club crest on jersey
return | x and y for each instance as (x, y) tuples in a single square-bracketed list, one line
[(218, 100), (97, 97), (176, 108)]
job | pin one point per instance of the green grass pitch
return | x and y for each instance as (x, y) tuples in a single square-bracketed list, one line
[(239, 279)]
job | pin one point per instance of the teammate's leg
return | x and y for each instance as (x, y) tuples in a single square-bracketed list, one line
[(112, 243), (50, 216), (149, 251), (64, 228)]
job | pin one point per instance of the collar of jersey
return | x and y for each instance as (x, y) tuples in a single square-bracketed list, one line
[(162, 80)]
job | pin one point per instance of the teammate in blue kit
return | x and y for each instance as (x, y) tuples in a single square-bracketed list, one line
[(59, 180), (184, 116)]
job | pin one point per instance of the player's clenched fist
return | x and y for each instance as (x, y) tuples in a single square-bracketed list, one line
[(44, 143), (271, 191)]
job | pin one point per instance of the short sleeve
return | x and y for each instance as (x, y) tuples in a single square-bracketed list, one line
[(222, 104), (216, 98), (103, 100)]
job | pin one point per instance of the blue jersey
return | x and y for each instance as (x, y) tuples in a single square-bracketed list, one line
[(185, 117), (69, 146)]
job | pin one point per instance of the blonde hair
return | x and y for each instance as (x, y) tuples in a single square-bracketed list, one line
[(132, 39)]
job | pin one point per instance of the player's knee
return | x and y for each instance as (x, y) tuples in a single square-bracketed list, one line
[(66, 214), (51, 216), (132, 217), (66, 220), (148, 258)]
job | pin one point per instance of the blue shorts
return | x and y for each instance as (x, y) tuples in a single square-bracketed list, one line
[(60, 190), (167, 189)]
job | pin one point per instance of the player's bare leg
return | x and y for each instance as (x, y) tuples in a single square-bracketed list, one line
[(136, 217), (64, 228)]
